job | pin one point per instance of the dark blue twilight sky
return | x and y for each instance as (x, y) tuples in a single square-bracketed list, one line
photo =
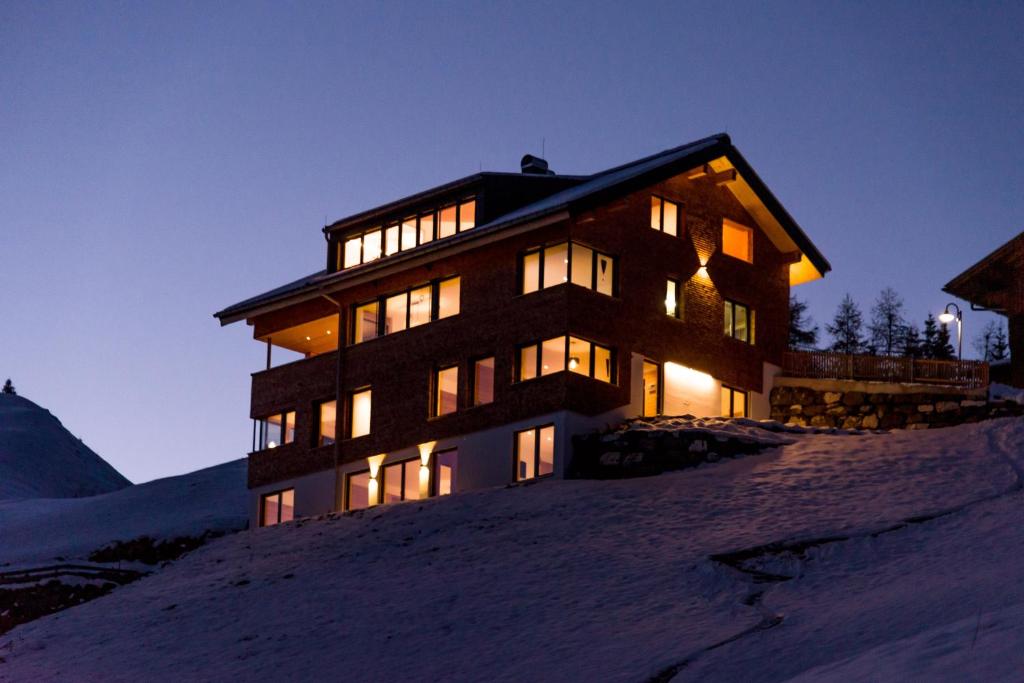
[(159, 161)]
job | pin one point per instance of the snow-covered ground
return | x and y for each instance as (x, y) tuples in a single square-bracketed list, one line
[(40, 458), (602, 580), (41, 530)]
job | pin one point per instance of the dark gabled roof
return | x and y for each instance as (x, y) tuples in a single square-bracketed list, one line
[(591, 191), (990, 282)]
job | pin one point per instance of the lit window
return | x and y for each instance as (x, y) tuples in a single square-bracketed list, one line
[(365, 322), (673, 299), (737, 241), (554, 355), (535, 452), (391, 240), (467, 215), (448, 297), (483, 381), (652, 389), (448, 224), (734, 402), (278, 507), (353, 251), (739, 322), (567, 262), (665, 216), (419, 306), (446, 391), (357, 494), (371, 246), (408, 233), (426, 228), (359, 424), (328, 423), (396, 312), (447, 470), (401, 481), (276, 430)]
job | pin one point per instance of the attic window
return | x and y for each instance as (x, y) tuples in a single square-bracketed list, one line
[(737, 241), (665, 216)]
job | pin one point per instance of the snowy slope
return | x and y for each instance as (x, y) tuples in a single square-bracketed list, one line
[(39, 530), (41, 459), (599, 580)]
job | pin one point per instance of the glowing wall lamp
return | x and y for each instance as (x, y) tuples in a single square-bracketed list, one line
[(425, 450), (946, 317), (373, 485)]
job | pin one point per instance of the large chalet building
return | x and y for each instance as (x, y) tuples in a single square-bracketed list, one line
[(458, 338)]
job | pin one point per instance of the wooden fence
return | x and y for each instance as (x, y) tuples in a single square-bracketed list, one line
[(826, 365)]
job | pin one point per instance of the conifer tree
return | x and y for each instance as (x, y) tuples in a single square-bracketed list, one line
[(803, 334), (9, 388), (845, 328), (943, 348), (931, 332), (1000, 345), (887, 323), (910, 344)]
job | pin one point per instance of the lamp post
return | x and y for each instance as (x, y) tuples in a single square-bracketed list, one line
[(946, 317)]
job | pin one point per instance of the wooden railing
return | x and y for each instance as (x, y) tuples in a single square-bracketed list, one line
[(827, 365)]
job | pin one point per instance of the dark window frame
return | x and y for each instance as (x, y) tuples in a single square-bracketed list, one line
[(536, 452), (539, 250), (258, 429), (317, 437), (660, 407), (435, 469), (732, 399), (473, 402), (680, 226), (435, 390), (680, 313), (383, 478), (348, 488), (278, 493), (382, 312), (613, 353), (731, 305), (349, 410)]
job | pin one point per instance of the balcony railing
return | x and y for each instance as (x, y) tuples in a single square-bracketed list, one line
[(827, 365)]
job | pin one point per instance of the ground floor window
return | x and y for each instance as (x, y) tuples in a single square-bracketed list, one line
[(357, 490), (652, 389), (734, 402), (401, 481), (277, 507), (535, 452), (446, 467)]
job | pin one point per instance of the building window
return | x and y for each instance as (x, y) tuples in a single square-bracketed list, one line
[(446, 465), (411, 308), (401, 481), (566, 262), (446, 391), (359, 413), (555, 355), (535, 452), (674, 298), (328, 419), (357, 491), (276, 430), (277, 507), (665, 216), (410, 233), (734, 402), (739, 322), (483, 381), (737, 241), (652, 389)]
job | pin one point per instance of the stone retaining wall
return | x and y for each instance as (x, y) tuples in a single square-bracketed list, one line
[(877, 405)]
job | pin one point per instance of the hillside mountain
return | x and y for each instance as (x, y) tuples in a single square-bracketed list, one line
[(883, 556), (39, 458)]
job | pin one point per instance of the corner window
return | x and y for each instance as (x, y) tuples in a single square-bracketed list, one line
[(357, 491), (483, 381), (277, 507), (328, 419), (556, 355), (734, 402), (535, 452), (673, 298), (737, 241), (446, 391), (652, 389), (739, 322), (665, 216), (401, 481), (359, 413), (566, 262), (275, 430)]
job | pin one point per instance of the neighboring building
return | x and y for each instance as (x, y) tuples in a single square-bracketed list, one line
[(488, 320), (996, 283)]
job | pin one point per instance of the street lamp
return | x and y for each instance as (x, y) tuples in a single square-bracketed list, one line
[(946, 317)]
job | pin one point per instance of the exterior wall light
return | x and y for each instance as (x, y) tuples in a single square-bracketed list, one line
[(373, 485), (425, 451)]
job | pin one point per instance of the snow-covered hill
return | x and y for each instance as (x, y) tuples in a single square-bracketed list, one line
[(39, 458), (41, 530), (872, 557)]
